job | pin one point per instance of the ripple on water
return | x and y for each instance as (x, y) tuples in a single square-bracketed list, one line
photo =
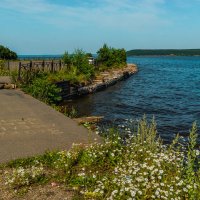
[(166, 87)]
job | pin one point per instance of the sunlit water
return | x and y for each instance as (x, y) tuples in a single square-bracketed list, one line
[(165, 87)]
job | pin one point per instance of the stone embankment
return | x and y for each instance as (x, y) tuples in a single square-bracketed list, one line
[(108, 78)]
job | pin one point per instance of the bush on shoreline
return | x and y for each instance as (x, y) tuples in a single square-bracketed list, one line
[(143, 168), (108, 57), (42, 89)]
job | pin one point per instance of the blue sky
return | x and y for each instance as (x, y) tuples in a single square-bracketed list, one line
[(53, 26)]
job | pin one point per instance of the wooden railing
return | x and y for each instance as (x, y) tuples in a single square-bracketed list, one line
[(27, 69)]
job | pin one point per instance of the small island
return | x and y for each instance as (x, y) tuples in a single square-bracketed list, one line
[(164, 52)]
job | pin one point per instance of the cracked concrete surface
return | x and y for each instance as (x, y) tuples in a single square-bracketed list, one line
[(29, 127)]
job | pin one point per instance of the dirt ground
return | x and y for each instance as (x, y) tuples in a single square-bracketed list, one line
[(49, 191), (38, 193)]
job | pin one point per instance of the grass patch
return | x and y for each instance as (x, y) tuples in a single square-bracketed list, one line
[(139, 168), (3, 70)]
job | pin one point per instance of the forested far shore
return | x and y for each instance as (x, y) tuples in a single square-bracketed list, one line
[(164, 52)]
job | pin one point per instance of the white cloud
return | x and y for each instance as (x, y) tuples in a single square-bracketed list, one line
[(129, 14)]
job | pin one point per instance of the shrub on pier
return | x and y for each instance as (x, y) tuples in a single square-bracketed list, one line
[(111, 57), (77, 67)]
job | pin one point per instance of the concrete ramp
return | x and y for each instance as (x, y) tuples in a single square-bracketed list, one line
[(29, 127)]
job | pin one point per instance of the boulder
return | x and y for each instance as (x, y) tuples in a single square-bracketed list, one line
[(5, 79), (14, 86), (8, 86)]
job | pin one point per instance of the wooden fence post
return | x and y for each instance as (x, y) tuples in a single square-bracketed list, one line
[(43, 64), (8, 65), (60, 64), (28, 72), (31, 65), (19, 71), (52, 66)]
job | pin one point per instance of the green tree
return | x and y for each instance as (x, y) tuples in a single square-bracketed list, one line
[(111, 57), (119, 56), (89, 55), (80, 61), (67, 59), (7, 54), (104, 55), (78, 68)]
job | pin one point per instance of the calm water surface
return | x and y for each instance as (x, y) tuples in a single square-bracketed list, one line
[(165, 87)]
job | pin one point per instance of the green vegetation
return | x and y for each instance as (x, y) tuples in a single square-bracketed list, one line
[(42, 85), (164, 52), (44, 90), (7, 54), (77, 70), (67, 110), (3, 70), (78, 67), (89, 55), (142, 168), (110, 57)]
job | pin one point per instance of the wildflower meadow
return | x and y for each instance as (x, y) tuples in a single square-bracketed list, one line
[(136, 168)]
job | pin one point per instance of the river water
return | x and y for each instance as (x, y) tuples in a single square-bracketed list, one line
[(167, 88)]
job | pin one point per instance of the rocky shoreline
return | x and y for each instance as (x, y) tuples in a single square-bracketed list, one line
[(108, 78)]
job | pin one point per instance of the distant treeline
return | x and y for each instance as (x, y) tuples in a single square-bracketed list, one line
[(163, 52)]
